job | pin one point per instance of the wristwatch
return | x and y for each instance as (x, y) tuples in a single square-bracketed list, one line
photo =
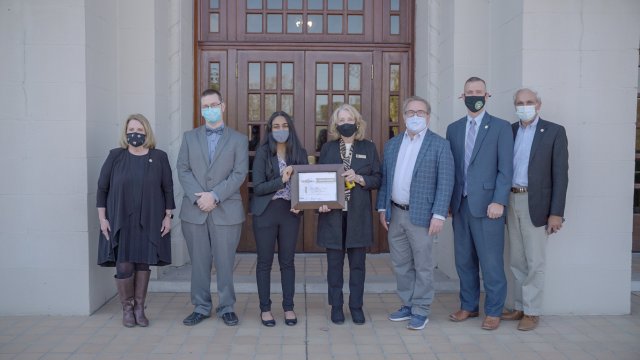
[(169, 215)]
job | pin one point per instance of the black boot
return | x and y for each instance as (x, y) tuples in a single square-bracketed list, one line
[(337, 315), (141, 285), (125, 293)]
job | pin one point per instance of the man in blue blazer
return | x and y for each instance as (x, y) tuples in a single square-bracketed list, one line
[(482, 147), (417, 180)]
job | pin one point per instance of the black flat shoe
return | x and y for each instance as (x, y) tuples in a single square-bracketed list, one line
[(194, 318), (230, 318), (337, 316), (357, 315), (267, 323), (290, 322)]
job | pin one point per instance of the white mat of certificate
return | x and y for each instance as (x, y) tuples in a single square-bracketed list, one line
[(317, 186)]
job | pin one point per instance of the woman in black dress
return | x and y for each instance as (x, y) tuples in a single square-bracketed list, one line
[(135, 203), (274, 221)]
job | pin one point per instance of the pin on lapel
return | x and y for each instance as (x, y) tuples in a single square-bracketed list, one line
[(150, 160), (486, 126), (541, 130)]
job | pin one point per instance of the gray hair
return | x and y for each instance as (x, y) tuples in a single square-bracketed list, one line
[(535, 93), (416, 98)]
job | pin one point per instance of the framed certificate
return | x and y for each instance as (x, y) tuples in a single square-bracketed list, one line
[(315, 185)]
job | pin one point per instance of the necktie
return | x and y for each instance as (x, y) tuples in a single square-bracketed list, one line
[(217, 130), (468, 149)]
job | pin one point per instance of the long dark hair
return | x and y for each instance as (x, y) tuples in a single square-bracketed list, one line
[(295, 151)]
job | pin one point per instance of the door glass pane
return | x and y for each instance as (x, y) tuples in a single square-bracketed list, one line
[(254, 107), (274, 23), (355, 5), (214, 75), (322, 108), (354, 100), (395, 5), (270, 76), (254, 4), (335, 5), (294, 23), (334, 24), (393, 131), (314, 24), (394, 77), (395, 25), (337, 101), (322, 76), (294, 4), (254, 76), (287, 104), (354, 24), (338, 77), (321, 136), (254, 137), (354, 77), (274, 4), (214, 22), (287, 76), (314, 4), (254, 23), (270, 104), (214, 4), (394, 105)]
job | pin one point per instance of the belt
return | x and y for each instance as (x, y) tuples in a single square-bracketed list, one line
[(399, 206), (519, 189)]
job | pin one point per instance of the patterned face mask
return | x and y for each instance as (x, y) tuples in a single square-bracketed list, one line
[(136, 139)]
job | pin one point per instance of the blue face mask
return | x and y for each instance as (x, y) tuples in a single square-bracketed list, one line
[(415, 124), (280, 136), (211, 115)]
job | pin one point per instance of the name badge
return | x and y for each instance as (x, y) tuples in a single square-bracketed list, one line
[(361, 156)]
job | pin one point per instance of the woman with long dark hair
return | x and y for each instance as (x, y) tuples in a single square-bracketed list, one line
[(274, 221)]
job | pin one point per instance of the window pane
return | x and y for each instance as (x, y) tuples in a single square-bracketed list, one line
[(214, 4), (394, 105), (395, 5), (354, 77), (274, 23), (393, 131), (321, 136), (214, 22), (270, 76), (287, 76), (394, 77), (254, 137), (322, 108), (314, 4), (254, 4), (355, 5), (254, 76), (314, 24), (354, 100), (254, 107), (338, 77), (395, 25), (270, 104), (334, 24), (214, 75), (254, 23), (274, 4), (337, 101), (335, 5), (294, 4), (354, 24), (287, 104), (294, 23), (322, 76)]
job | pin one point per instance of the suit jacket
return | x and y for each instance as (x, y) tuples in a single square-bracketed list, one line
[(490, 169), (431, 181), (548, 173), (365, 162), (224, 175)]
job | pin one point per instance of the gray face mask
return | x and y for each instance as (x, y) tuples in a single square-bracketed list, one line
[(280, 136)]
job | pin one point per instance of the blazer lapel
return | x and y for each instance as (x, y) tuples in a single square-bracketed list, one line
[(537, 137), (483, 129), (395, 144), (426, 142), (202, 141)]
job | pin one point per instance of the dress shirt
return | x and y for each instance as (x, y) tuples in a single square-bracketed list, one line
[(212, 140), (521, 153)]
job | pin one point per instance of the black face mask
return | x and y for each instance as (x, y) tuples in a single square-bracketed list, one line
[(347, 130), (474, 103), (135, 139)]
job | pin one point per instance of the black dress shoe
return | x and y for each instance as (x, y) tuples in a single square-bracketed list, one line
[(230, 318), (194, 319), (290, 322), (267, 323), (337, 316), (357, 315)]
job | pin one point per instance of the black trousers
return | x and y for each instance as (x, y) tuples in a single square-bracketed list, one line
[(276, 225), (357, 271)]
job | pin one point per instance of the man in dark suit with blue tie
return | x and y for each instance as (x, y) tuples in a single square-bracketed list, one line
[(482, 147), (417, 179)]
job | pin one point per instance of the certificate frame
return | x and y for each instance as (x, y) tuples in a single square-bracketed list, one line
[(336, 202)]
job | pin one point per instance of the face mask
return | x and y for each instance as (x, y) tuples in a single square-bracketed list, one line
[(347, 130), (280, 136), (474, 103), (526, 112), (212, 115), (415, 124), (135, 139)]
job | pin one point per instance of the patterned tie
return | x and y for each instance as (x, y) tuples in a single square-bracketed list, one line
[(217, 130), (468, 149), (346, 161)]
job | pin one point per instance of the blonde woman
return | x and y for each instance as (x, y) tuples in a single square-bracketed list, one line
[(135, 203)]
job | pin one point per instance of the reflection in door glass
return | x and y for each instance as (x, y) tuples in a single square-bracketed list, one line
[(287, 104), (394, 106), (314, 24), (393, 131), (322, 76), (270, 105), (254, 23), (214, 76), (254, 107), (395, 25), (322, 108), (354, 24), (214, 23), (321, 136), (334, 24), (354, 77), (338, 77), (294, 23), (395, 5), (354, 100), (254, 76), (394, 77), (337, 101), (254, 137), (214, 4), (287, 76), (270, 76)]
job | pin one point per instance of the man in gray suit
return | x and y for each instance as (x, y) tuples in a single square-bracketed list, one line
[(482, 147), (536, 203), (417, 180), (212, 165)]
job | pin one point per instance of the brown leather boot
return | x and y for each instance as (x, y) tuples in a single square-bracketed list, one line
[(512, 315), (141, 285), (125, 293)]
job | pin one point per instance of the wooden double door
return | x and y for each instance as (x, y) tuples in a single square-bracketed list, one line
[(307, 84)]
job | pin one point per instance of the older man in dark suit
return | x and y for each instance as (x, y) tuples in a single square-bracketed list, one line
[(536, 203)]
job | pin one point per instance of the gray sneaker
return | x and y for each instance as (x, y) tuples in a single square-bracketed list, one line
[(402, 314), (417, 322)]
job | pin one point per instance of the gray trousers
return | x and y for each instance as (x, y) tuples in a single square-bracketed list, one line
[(410, 247), (210, 243)]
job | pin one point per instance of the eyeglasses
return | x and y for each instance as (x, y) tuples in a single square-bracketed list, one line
[(410, 113), (211, 106)]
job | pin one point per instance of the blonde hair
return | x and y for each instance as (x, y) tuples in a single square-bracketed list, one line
[(150, 140), (361, 126)]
